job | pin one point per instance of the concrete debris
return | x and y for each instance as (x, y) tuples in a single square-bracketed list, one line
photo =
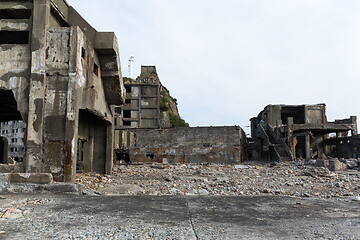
[(356, 198), (285, 179), (10, 213), (291, 132)]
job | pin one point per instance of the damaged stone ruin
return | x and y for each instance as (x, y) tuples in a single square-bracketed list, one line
[(65, 108), (302, 132), (59, 81), (149, 129)]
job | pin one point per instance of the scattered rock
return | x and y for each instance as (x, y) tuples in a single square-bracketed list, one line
[(127, 189), (286, 179), (204, 192), (241, 167), (335, 165), (352, 163), (356, 198)]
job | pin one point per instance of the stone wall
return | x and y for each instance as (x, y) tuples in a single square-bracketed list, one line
[(183, 145)]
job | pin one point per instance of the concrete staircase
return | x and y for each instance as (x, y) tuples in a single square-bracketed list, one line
[(279, 151)]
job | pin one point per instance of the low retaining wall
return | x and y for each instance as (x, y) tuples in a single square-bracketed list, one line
[(183, 145)]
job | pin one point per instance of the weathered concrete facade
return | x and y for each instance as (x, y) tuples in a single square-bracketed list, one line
[(283, 132), (183, 145), (60, 76)]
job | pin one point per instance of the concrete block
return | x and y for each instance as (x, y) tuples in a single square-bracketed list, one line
[(60, 188), (322, 163), (40, 178), (8, 168), (336, 165), (352, 163)]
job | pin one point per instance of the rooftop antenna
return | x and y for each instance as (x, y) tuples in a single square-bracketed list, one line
[(131, 63)]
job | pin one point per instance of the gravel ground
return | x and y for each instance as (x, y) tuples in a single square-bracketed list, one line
[(284, 179), (176, 217)]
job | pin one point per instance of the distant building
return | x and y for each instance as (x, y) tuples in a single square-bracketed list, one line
[(288, 132), (14, 132), (141, 108)]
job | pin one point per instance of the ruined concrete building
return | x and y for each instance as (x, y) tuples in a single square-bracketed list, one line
[(12, 135), (288, 132), (145, 133), (141, 108), (61, 77)]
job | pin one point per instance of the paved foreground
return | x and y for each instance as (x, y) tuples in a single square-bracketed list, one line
[(176, 217)]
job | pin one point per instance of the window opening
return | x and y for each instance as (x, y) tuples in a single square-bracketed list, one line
[(83, 53), (15, 14), (127, 114), (127, 123), (128, 89), (96, 69), (8, 37), (118, 110)]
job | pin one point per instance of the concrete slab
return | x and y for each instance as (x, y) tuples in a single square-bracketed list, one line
[(180, 217), (39, 178)]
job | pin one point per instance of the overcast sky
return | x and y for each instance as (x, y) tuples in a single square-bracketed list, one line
[(225, 60)]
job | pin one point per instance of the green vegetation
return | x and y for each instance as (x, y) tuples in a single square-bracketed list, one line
[(163, 106), (177, 121), (165, 102)]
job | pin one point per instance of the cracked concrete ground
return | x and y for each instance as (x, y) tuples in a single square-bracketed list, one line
[(177, 217)]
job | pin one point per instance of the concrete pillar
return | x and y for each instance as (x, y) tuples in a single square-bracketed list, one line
[(72, 109), (307, 146), (354, 122), (109, 148), (290, 123), (34, 141)]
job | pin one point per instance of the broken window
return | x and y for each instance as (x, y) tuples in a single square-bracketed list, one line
[(127, 101), (127, 123), (127, 114), (83, 53), (128, 89), (15, 14), (96, 69), (296, 112), (118, 110), (8, 37)]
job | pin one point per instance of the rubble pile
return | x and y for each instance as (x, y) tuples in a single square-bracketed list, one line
[(286, 179)]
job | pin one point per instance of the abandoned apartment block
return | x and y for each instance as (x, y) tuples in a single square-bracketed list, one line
[(12, 135), (289, 132), (141, 107), (142, 134), (61, 78)]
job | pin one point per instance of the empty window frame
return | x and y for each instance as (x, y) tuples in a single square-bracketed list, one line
[(96, 69), (118, 110), (14, 37), (127, 123), (127, 114), (128, 89), (127, 101), (15, 14), (83, 53)]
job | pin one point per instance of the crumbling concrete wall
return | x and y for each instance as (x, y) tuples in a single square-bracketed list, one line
[(54, 65), (284, 132), (184, 145)]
